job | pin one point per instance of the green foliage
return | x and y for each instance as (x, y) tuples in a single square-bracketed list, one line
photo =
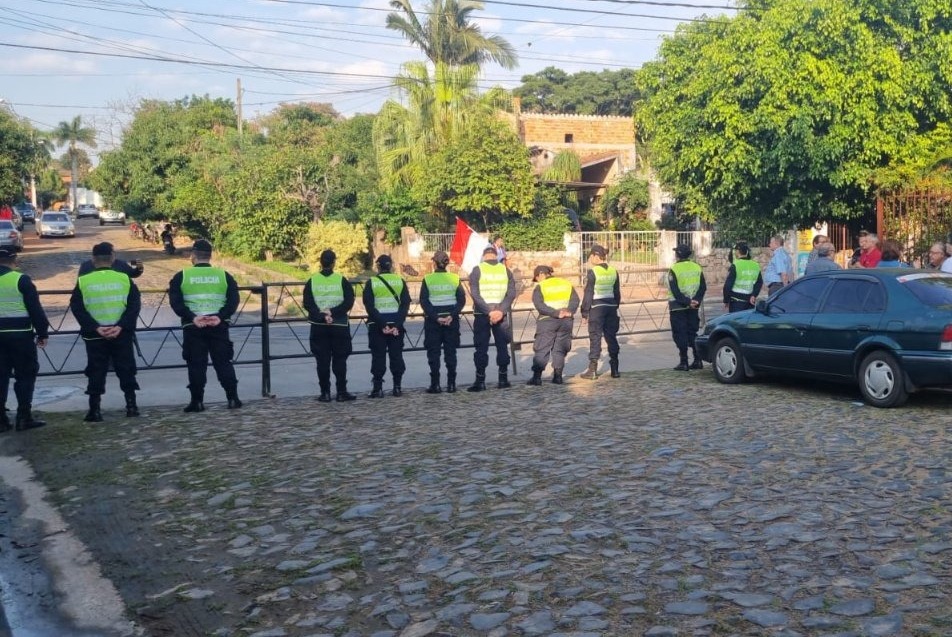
[(545, 232), (625, 204), (393, 210), (348, 240), (799, 110), (567, 166), (15, 156), (552, 90), (485, 172)]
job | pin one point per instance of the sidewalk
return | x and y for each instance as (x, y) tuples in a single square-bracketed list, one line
[(298, 377)]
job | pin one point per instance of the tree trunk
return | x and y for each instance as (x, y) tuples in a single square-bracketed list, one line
[(33, 189), (72, 176)]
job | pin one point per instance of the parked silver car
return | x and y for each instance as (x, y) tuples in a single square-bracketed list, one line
[(10, 237), (55, 224), (112, 216)]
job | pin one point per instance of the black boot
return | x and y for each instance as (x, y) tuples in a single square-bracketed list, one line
[(376, 390), (397, 386), (5, 425), (557, 376), (591, 372), (196, 403), (325, 395), (25, 419), (434, 387), (503, 378), (94, 414), (132, 409), (613, 365), (343, 395), (480, 384), (536, 377), (696, 364), (683, 365), (232, 396), (451, 383)]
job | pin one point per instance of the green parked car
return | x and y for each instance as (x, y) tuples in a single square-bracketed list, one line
[(888, 330)]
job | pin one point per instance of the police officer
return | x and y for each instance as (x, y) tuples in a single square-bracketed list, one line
[(493, 290), (600, 303), (686, 288), (744, 280), (556, 301), (328, 297), (387, 301), (106, 303), (133, 269), (442, 299), (205, 298), (21, 317)]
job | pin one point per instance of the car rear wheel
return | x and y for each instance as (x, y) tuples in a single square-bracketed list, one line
[(882, 381), (728, 362)]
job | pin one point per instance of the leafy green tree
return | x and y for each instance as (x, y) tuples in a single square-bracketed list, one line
[(158, 147), (15, 155), (484, 173), (625, 204), (73, 133), (448, 36), (798, 110), (552, 90), (566, 166), (50, 188), (40, 154)]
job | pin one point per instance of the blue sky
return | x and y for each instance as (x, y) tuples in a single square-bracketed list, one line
[(99, 58)]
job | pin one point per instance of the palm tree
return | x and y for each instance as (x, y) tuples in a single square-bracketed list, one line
[(446, 36), (73, 133), (41, 149), (437, 106)]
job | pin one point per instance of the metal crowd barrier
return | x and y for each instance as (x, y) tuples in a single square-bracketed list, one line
[(271, 325)]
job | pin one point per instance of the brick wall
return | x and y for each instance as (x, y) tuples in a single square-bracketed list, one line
[(607, 132)]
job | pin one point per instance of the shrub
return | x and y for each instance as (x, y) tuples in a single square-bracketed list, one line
[(545, 232), (348, 240)]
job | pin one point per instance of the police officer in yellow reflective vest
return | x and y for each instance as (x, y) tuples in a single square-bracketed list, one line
[(556, 301), (686, 289), (600, 307), (106, 304), (21, 319), (493, 290), (387, 301), (442, 299), (205, 298), (328, 297), (744, 280)]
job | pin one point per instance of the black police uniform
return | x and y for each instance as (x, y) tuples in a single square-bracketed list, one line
[(685, 320), (437, 337), (18, 354), (739, 302), (482, 329), (553, 335), (331, 343), (101, 352), (200, 343), (603, 321), (383, 346)]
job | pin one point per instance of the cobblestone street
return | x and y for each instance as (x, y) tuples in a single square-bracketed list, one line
[(657, 504)]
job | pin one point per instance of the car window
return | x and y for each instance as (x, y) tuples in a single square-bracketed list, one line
[(56, 217), (855, 296), (802, 296), (6, 225), (932, 288)]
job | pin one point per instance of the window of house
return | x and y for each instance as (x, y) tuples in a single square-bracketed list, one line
[(569, 138)]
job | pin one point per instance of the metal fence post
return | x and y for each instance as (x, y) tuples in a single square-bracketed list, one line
[(265, 344)]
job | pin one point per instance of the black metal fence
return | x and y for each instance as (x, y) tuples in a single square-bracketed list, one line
[(271, 325)]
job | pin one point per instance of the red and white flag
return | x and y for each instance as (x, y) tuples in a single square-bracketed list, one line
[(468, 246)]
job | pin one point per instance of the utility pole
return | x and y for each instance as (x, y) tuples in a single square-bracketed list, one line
[(238, 102)]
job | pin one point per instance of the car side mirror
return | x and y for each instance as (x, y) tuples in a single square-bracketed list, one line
[(761, 307)]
